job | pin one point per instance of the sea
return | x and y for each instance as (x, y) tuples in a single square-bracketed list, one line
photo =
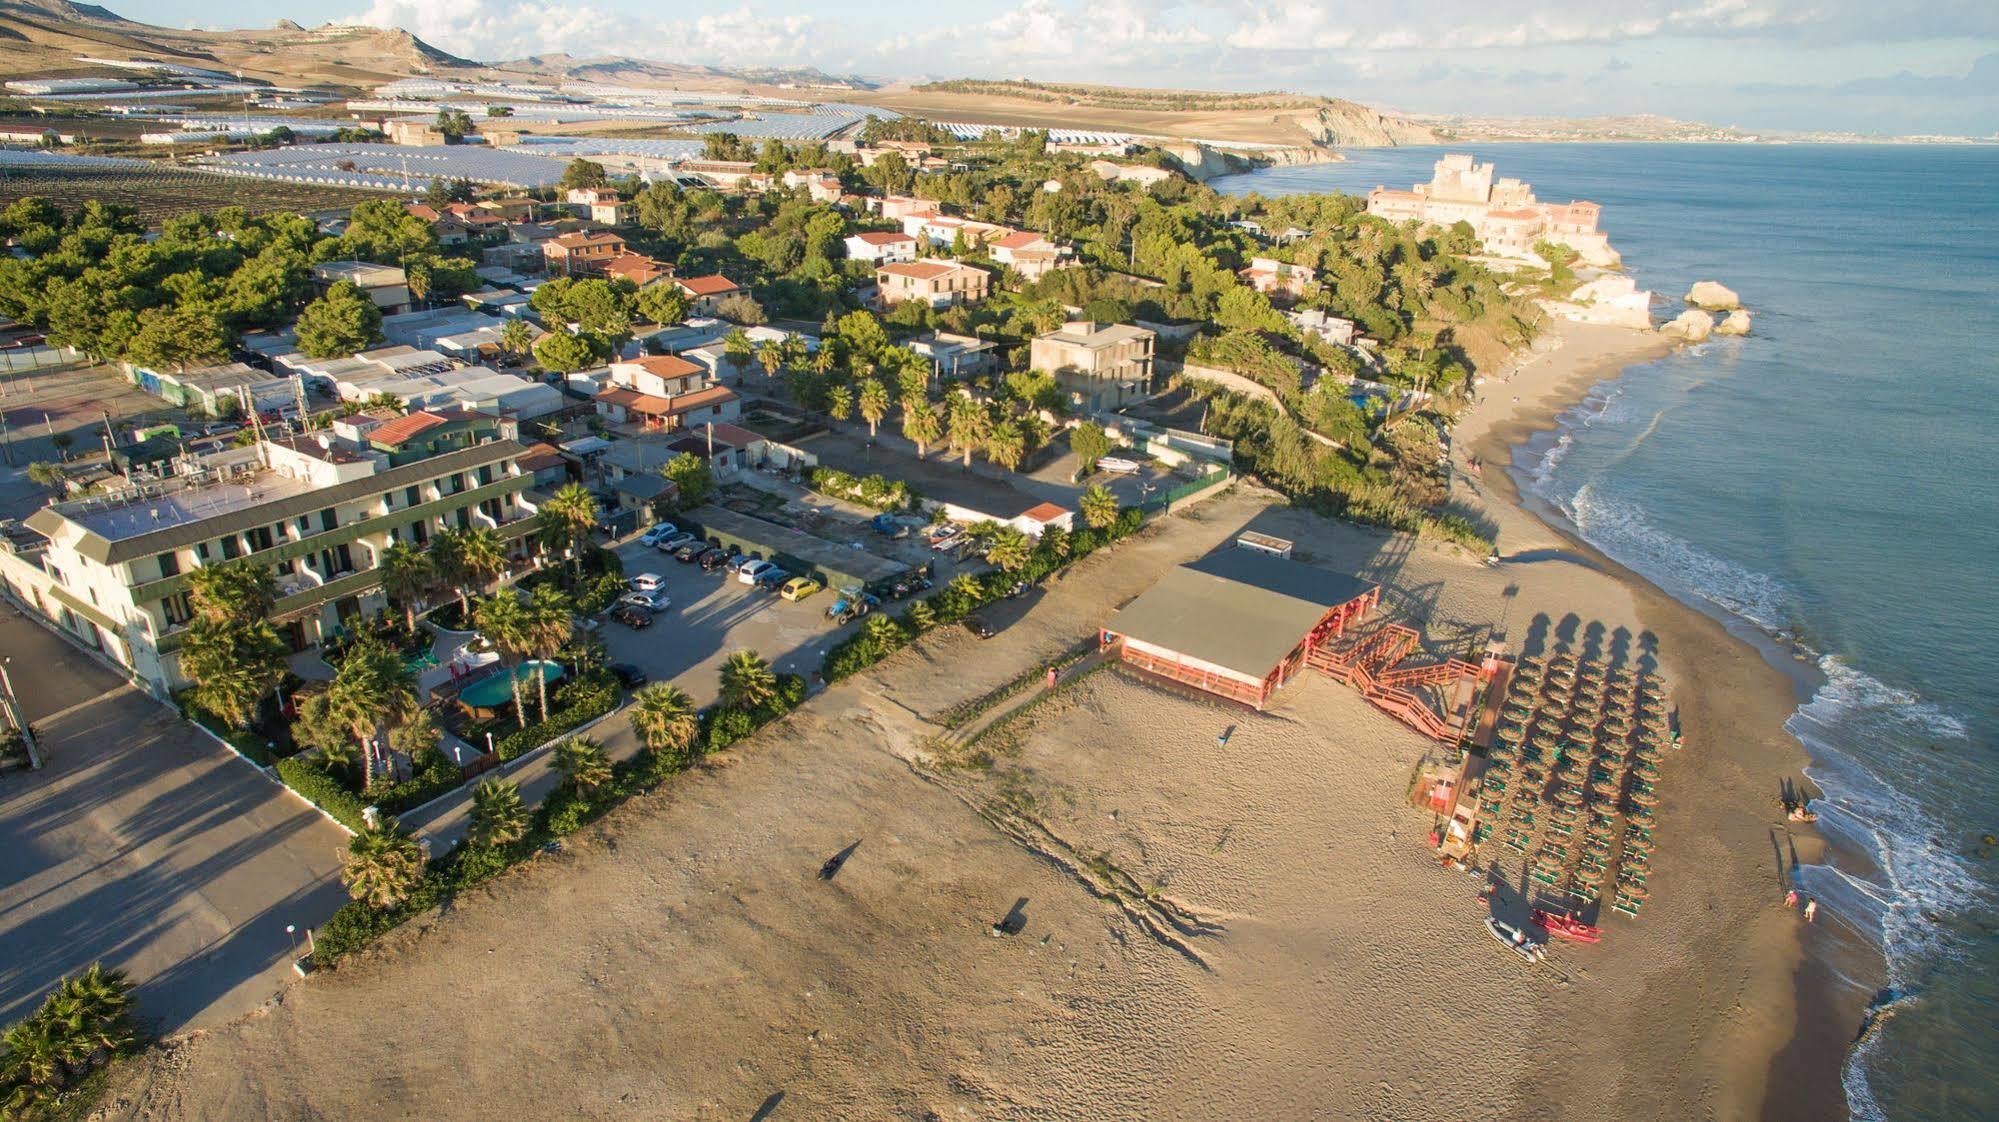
[(1830, 484)]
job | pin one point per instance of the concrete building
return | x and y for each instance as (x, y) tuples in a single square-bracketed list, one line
[(1503, 212), (581, 253), (1030, 254), (1279, 278), (881, 246), (1101, 366), (601, 205), (953, 356), (217, 390), (113, 570), (384, 284), (940, 284)]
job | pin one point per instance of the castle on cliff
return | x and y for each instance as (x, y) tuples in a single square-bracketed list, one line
[(1508, 219)]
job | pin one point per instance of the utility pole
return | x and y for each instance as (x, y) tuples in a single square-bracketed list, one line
[(14, 714)]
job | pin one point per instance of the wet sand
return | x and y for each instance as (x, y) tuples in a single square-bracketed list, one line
[(1735, 690)]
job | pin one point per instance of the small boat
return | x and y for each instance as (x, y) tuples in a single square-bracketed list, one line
[(1564, 926), (1514, 939)]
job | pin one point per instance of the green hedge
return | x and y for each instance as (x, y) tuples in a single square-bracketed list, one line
[(435, 775), (323, 791), (575, 703), (875, 491)]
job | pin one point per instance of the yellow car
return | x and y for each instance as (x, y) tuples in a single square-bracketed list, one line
[(798, 588)]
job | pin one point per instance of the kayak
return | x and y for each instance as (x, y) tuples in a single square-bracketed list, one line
[(1514, 939), (1563, 926)]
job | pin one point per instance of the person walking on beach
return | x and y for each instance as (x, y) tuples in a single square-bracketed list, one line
[(1791, 898), (1811, 911)]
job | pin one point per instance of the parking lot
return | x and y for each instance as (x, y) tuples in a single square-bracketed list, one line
[(712, 615)]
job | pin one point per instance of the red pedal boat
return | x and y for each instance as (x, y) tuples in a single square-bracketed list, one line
[(1564, 926)]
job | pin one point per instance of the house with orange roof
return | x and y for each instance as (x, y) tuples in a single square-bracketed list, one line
[(705, 293), (640, 270), (581, 253), (1030, 254), (939, 284), (880, 246)]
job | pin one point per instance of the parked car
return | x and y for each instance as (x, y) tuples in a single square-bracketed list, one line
[(773, 579), (977, 625), (753, 571), (719, 558), (798, 588), (674, 541), (629, 676), (648, 582), (889, 526), (939, 532), (658, 533), (690, 550), (655, 601), (948, 540), (638, 619)]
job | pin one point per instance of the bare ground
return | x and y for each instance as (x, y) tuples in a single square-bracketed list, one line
[(1254, 931)]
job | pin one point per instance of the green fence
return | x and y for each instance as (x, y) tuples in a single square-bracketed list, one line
[(1166, 498)]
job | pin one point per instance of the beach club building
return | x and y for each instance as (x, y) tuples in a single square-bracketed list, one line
[(1237, 623)]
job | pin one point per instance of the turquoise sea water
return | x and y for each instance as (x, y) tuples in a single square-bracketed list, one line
[(1833, 477)]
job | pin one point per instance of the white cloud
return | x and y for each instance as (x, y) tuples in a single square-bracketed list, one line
[(495, 30)]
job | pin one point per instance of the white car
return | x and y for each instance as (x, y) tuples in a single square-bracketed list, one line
[(658, 533), (649, 601), (673, 541), (753, 571), (648, 582)]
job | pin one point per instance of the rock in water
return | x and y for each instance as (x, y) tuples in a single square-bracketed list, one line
[(1693, 325), (1737, 323), (1713, 295)]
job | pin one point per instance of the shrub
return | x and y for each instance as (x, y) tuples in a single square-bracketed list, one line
[(323, 791), (874, 491), (729, 726), (574, 703), (434, 774)]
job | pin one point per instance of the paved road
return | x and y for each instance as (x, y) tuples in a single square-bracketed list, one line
[(148, 846)]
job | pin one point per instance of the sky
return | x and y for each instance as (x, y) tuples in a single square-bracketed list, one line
[(1929, 67)]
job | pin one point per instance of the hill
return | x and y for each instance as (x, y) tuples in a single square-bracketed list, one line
[(625, 70), (45, 37), (1252, 118)]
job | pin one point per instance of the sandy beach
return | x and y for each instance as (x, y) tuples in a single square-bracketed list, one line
[(1249, 930)]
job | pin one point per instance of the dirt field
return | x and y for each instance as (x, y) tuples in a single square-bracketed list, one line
[(1282, 945)]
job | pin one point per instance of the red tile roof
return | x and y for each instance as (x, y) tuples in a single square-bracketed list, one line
[(539, 456), (922, 270), (581, 239), (1045, 512), (1018, 240), (884, 237), (405, 428), (666, 366), (637, 268), (714, 285)]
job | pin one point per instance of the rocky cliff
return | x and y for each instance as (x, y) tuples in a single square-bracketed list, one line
[(1347, 124)]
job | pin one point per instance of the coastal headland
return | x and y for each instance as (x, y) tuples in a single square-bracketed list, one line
[(1213, 911)]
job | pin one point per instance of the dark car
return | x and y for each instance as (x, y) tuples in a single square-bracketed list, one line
[(691, 550), (773, 580), (719, 558), (629, 676), (977, 625), (637, 619)]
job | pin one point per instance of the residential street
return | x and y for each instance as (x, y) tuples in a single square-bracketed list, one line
[(145, 845)]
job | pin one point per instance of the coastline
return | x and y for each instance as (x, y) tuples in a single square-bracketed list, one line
[(1780, 1048)]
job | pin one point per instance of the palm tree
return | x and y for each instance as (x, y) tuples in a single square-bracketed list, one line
[(840, 402), (884, 632), (922, 617), (549, 627), (1099, 507), (516, 337), (503, 620), (499, 817), (875, 402), (407, 573), (373, 689), (770, 357), (1010, 549), (583, 763), (47, 475), (920, 424), (1006, 444), (665, 719), (967, 425), (416, 734), (470, 558), (234, 592), (966, 587), (383, 867), (747, 682), (566, 520), (233, 665)]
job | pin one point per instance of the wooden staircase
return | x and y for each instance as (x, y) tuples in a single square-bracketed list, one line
[(1369, 664)]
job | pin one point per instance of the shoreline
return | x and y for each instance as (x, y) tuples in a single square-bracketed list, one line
[(1788, 1060)]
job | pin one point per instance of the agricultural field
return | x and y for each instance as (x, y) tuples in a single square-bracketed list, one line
[(160, 191)]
